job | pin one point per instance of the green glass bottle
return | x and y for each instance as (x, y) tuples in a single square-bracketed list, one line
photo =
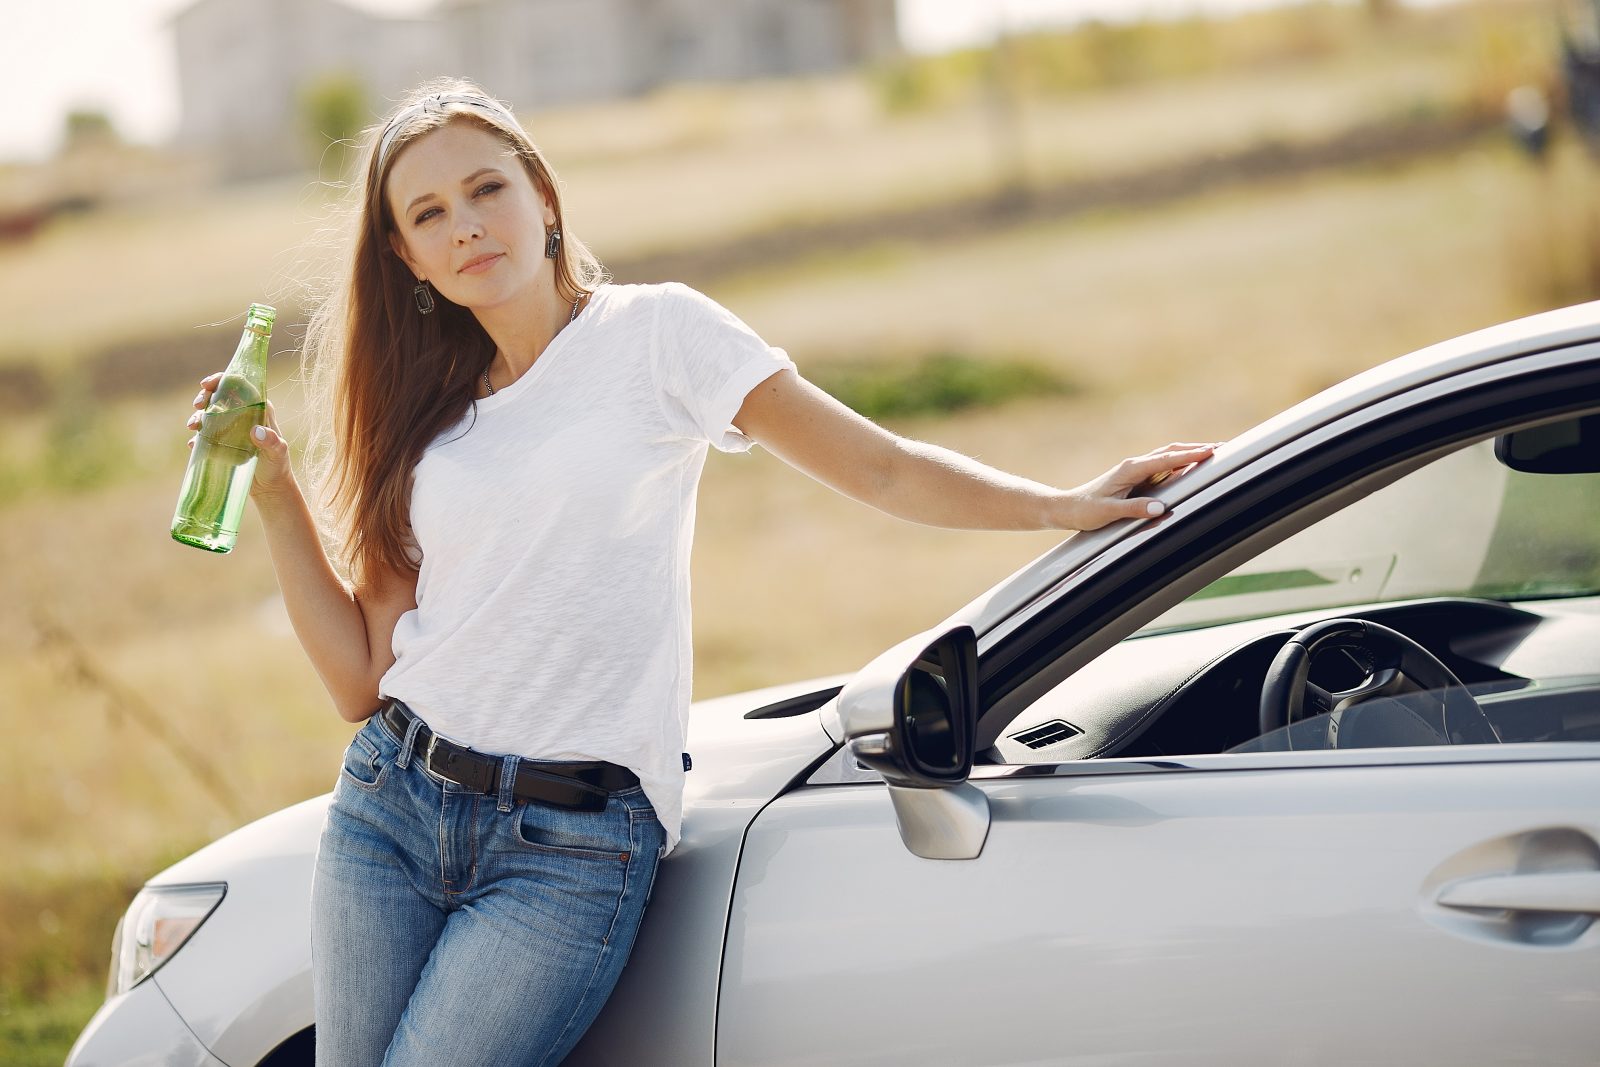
[(217, 481)]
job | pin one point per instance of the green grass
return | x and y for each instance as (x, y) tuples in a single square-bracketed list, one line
[(40, 1033), (1549, 526), (939, 383), (78, 445)]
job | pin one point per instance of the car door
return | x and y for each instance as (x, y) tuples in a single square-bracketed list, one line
[(1232, 909), (1409, 905)]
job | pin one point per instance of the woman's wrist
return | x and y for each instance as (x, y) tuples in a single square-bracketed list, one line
[(279, 496), (1064, 510)]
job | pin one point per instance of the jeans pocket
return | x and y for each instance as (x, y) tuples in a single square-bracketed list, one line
[(596, 835), (364, 765)]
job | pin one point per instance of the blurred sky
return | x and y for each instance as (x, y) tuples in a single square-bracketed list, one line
[(117, 55)]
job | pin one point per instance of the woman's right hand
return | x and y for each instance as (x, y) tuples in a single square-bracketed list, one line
[(274, 474)]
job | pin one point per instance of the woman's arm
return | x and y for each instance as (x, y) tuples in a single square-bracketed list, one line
[(813, 432), (346, 632)]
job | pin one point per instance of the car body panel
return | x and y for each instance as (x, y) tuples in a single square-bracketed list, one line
[(740, 764), (139, 1028), (1188, 916)]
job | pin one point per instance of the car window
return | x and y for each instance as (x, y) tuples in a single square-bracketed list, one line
[(1492, 572), (1464, 525)]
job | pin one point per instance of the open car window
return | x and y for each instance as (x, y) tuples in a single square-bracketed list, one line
[(1463, 526), (1493, 572)]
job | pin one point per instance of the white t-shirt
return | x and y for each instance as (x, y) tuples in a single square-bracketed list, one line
[(555, 523)]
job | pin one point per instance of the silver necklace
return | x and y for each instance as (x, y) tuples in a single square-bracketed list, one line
[(575, 301)]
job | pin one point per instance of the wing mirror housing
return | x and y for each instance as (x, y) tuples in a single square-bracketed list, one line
[(912, 716), (1570, 446), (934, 715)]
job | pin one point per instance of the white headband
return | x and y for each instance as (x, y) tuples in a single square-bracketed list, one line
[(437, 102)]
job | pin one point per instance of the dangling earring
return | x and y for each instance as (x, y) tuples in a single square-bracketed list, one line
[(552, 244), (423, 296)]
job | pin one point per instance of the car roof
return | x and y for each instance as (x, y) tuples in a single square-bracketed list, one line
[(1509, 340)]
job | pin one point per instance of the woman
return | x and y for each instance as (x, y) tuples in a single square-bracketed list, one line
[(517, 449)]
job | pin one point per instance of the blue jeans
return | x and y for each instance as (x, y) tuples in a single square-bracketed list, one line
[(454, 928)]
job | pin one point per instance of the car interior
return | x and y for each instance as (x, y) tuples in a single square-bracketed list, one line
[(1471, 590)]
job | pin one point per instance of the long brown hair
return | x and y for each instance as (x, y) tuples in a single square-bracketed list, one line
[(388, 379)]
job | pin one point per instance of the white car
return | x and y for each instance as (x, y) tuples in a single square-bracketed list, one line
[(1307, 771)]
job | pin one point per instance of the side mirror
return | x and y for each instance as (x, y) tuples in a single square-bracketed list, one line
[(934, 717), (1571, 446), (912, 716)]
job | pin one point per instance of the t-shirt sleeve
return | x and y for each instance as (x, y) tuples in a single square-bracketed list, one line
[(706, 362)]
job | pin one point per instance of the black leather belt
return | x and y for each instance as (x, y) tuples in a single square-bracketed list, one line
[(583, 786)]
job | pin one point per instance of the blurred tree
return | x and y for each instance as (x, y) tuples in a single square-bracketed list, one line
[(88, 126), (1382, 10), (333, 110)]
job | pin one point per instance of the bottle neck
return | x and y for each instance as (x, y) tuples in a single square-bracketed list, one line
[(250, 358)]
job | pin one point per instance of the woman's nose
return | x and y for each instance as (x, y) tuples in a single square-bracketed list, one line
[(468, 227)]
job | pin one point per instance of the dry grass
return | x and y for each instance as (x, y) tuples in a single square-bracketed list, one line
[(728, 189), (150, 270)]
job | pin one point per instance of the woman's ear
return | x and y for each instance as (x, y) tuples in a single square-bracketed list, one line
[(546, 211), (399, 248)]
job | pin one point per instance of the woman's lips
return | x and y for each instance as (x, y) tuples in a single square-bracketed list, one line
[(481, 263)]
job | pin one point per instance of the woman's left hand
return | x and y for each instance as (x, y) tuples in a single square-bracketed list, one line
[(1105, 500)]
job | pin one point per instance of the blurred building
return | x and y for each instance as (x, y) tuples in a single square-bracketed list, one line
[(244, 65)]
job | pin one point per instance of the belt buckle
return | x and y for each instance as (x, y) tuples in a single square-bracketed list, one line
[(427, 757)]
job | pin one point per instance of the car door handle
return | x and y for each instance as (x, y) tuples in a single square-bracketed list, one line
[(1564, 891)]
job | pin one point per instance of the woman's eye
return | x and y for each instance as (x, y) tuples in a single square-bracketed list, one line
[(426, 215), (487, 188)]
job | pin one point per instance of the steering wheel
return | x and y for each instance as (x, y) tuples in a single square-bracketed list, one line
[(1393, 664)]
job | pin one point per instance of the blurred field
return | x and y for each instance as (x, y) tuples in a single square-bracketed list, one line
[(696, 165), (1189, 321)]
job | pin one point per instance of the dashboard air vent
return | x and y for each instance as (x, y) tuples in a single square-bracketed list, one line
[(1048, 734)]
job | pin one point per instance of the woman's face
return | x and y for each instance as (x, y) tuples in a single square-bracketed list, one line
[(468, 217)]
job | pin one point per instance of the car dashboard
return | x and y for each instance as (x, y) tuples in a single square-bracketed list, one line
[(1534, 668)]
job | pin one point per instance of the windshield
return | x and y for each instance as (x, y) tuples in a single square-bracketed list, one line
[(1464, 525)]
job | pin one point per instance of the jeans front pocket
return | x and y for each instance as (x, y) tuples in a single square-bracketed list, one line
[(595, 835), (364, 765)]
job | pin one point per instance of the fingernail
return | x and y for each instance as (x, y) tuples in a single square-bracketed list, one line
[(1155, 507), (261, 433)]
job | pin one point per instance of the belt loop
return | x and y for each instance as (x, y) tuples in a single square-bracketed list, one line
[(408, 745), (508, 782)]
